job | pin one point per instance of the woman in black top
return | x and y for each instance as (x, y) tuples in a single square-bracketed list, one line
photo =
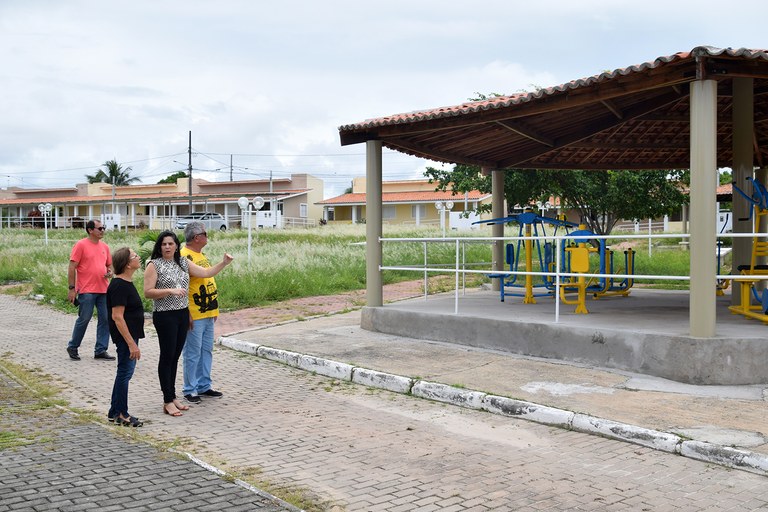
[(126, 327)]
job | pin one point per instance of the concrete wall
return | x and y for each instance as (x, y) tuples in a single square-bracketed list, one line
[(706, 361)]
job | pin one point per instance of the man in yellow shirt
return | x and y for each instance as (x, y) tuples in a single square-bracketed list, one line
[(203, 310)]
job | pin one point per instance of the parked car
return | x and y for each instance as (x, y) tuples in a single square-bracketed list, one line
[(211, 220)]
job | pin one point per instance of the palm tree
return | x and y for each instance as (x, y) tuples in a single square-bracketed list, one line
[(115, 174)]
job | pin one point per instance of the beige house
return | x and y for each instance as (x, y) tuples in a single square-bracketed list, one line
[(290, 201), (406, 202)]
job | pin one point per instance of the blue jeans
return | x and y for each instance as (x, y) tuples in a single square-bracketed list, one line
[(125, 367), (198, 357), (87, 302)]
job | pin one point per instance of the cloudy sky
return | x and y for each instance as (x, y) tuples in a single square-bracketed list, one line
[(267, 84)]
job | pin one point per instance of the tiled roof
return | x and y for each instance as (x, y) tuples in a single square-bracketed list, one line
[(636, 117), (515, 99), (176, 197), (406, 197)]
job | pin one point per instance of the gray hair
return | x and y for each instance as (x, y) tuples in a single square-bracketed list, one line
[(193, 228)]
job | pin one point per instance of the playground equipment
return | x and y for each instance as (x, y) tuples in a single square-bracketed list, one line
[(748, 289), (575, 258)]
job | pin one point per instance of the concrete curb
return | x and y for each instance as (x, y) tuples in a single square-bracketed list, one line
[(752, 462)]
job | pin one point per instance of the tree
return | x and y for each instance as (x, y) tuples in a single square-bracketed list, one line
[(115, 174), (173, 178), (602, 198)]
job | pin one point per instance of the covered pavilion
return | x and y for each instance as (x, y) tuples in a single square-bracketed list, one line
[(702, 110)]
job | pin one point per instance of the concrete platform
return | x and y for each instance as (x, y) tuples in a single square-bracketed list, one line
[(646, 332)]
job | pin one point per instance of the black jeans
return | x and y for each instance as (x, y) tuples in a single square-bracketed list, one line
[(171, 327)]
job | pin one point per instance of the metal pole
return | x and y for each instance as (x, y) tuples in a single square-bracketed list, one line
[(249, 233), (650, 240), (426, 280), (456, 283), (189, 185)]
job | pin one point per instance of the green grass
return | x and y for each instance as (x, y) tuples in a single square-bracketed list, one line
[(284, 264), (287, 264), (28, 412)]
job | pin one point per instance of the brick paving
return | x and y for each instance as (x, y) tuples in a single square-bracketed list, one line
[(357, 449), (73, 465)]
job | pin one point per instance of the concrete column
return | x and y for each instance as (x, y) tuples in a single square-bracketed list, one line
[(497, 230), (742, 167), (703, 98), (373, 175)]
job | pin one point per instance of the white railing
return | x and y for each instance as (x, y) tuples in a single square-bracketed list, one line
[(459, 267), (298, 222)]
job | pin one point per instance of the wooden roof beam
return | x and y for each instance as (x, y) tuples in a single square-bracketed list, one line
[(597, 127), (442, 156), (610, 105), (527, 133)]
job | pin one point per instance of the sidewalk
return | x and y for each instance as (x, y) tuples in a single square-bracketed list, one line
[(52, 460), (718, 424), (351, 447)]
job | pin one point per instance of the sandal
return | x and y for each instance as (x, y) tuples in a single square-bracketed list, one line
[(180, 406), (131, 421), (176, 412)]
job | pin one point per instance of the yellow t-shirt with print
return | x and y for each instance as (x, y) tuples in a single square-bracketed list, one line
[(203, 296)]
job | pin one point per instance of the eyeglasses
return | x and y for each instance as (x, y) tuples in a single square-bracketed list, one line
[(102, 228), (202, 234), (134, 256)]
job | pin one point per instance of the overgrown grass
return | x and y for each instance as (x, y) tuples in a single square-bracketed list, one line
[(284, 264), (288, 264)]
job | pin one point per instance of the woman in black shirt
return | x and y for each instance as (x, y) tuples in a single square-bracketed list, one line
[(126, 327)]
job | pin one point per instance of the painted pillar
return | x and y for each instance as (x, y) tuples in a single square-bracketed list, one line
[(742, 167), (373, 175), (703, 223), (497, 230)]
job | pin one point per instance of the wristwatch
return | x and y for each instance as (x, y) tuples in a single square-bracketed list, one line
[(71, 287)]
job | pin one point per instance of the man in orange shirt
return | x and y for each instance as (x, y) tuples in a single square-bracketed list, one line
[(90, 267)]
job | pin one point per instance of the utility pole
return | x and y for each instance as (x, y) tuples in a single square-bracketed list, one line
[(230, 167), (190, 171)]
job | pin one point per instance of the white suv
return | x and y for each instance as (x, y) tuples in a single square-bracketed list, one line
[(211, 220)]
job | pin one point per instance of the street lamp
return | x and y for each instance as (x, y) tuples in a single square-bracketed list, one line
[(45, 209), (442, 207), (245, 206)]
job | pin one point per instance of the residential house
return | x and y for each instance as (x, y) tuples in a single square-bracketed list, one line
[(292, 202), (406, 202)]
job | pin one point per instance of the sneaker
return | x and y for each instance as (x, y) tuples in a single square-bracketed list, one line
[(104, 355), (193, 399), (73, 354), (212, 393)]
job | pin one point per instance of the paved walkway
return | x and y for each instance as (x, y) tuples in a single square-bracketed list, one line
[(350, 447), (71, 464)]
